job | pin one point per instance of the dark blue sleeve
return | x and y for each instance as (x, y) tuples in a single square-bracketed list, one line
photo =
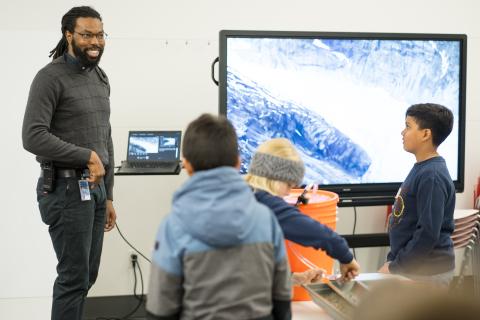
[(300, 228), (431, 196)]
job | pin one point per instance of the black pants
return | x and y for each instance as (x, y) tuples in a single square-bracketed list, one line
[(76, 230)]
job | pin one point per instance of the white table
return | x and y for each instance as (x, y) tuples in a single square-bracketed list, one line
[(308, 310)]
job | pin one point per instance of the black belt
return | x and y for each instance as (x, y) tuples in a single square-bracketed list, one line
[(66, 173)]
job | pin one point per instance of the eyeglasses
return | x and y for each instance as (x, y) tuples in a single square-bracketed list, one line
[(101, 36)]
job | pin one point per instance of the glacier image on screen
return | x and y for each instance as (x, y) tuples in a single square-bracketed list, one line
[(143, 145), (342, 102)]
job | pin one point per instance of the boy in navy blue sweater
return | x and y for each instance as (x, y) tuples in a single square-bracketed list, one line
[(421, 223)]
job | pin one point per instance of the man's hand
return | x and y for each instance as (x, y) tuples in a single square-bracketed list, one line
[(95, 166), (384, 268), (111, 216), (349, 270)]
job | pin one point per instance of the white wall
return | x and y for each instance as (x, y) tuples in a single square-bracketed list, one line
[(158, 60)]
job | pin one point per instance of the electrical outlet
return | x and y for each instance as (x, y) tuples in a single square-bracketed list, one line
[(133, 258)]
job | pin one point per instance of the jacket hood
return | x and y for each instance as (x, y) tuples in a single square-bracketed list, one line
[(215, 206)]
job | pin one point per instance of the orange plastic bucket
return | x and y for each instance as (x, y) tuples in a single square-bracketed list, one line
[(322, 206)]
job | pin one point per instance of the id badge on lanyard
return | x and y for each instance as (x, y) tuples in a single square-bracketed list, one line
[(84, 190)]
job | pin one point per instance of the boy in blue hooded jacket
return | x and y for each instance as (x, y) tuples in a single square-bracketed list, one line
[(219, 254)]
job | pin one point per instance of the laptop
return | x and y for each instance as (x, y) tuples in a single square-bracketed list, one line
[(152, 152)]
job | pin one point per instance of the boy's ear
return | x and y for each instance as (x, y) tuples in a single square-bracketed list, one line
[(427, 134), (188, 166)]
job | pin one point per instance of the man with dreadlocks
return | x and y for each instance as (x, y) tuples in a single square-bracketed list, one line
[(66, 125)]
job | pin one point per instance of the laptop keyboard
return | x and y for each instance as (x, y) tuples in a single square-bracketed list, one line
[(150, 164)]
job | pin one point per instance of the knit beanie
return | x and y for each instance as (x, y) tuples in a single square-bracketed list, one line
[(277, 168)]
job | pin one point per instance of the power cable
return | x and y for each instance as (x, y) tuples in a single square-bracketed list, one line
[(130, 245), (140, 298)]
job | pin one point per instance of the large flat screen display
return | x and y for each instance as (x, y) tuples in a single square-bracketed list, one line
[(341, 99)]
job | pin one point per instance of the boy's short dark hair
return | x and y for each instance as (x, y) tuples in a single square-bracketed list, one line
[(435, 117), (210, 142)]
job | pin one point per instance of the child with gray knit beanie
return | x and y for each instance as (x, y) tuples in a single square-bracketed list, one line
[(275, 168)]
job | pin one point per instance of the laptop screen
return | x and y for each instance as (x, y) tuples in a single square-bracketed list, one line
[(154, 146)]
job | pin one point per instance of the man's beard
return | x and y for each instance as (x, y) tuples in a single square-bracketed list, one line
[(82, 55)]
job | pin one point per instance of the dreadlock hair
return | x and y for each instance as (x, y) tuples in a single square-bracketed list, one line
[(68, 23)]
